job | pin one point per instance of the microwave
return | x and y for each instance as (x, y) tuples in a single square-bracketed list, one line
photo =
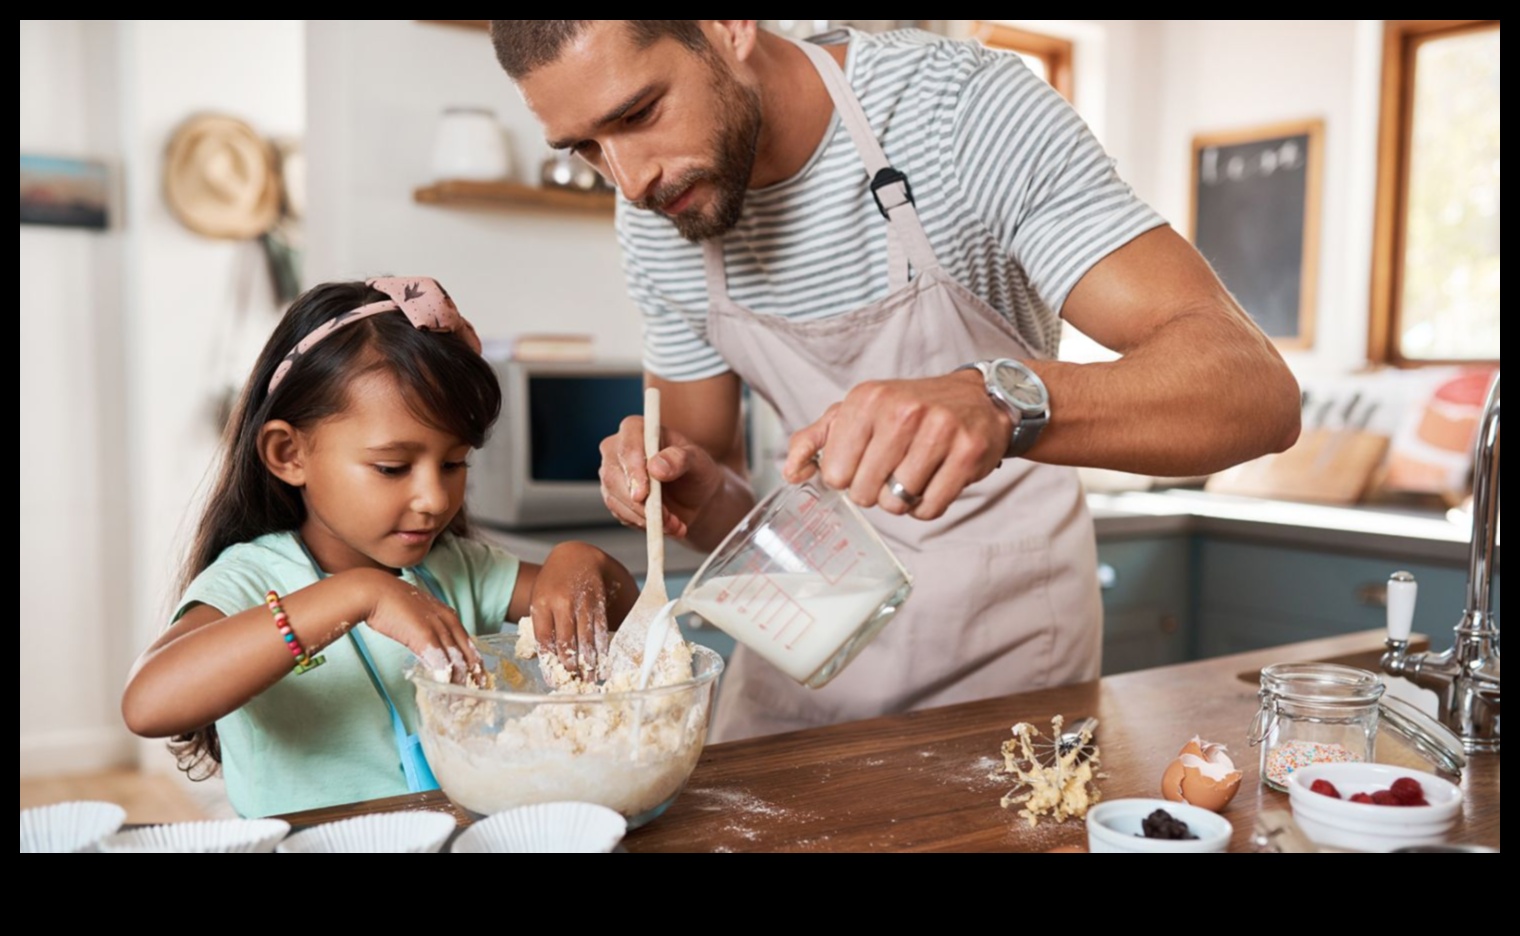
[(540, 468)]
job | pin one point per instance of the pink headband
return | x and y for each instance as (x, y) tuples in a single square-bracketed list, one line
[(422, 300)]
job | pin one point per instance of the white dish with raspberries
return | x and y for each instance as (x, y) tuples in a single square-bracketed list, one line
[(1373, 807)]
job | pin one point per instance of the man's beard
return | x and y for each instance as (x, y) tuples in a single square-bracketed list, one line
[(735, 141)]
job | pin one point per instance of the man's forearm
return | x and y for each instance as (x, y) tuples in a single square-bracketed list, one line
[(1204, 392)]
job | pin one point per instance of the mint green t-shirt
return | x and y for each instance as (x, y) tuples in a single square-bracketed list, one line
[(325, 738)]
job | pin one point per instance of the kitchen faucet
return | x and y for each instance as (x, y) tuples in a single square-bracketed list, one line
[(1466, 677)]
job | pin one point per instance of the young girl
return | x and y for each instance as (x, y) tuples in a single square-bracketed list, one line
[(340, 500)]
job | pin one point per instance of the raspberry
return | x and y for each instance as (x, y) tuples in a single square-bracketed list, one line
[(1385, 798), (1361, 798), (1325, 788), (1408, 791)]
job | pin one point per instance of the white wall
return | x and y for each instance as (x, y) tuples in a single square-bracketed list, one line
[(1160, 82), (377, 89), (119, 364), (1226, 74), (75, 620)]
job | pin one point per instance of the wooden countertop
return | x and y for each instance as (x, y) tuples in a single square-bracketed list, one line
[(920, 782)]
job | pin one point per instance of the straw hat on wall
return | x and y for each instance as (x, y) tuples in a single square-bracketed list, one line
[(221, 178)]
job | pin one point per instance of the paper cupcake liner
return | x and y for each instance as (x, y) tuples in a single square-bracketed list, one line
[(390, 833), (230, 836), (68, 827), (553, 828)]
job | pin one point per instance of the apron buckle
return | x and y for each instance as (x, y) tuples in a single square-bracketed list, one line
[(888, 177)]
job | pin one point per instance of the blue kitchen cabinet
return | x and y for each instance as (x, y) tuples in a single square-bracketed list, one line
[(1252, 596), (1147, 602)]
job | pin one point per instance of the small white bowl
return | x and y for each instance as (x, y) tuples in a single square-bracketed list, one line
[(1337, 836), (414, 832), (68, 827), (228, 836), (1368, 827), (545, 828), (1424, 830), (1114, 827)]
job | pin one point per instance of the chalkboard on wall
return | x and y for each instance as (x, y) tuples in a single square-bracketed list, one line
[(1255, 217)]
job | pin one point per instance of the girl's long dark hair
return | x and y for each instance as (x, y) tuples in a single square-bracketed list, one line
[(444, 382)]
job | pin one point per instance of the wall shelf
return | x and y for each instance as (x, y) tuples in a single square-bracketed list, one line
[(509, 195)]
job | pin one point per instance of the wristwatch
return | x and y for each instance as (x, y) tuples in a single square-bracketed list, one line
[(1020, 391)]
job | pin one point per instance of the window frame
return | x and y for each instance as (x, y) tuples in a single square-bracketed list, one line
[(1055, 52), (1401, 42)]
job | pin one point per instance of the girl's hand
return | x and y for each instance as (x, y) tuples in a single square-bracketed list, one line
[(425, 625), (578, 595)]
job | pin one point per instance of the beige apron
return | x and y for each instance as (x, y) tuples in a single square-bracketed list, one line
[(1005, 590)]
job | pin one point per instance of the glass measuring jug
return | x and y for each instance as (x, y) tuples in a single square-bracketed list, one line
[(803, 580)]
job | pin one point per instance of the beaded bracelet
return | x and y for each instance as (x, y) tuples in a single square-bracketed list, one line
[(305, 662)]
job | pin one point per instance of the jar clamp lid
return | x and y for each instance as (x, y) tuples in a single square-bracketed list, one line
[(1431, 739)]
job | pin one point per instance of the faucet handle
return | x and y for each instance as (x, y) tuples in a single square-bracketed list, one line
[(1402, 591)]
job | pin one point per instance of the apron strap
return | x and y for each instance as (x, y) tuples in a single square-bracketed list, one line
[(712, 264), (906, 241), (908, 248), (414, 765)]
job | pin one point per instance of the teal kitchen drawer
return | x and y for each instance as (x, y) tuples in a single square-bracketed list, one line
[(1140, 638), (1252, 596), (1147, 601), (1144, 571)]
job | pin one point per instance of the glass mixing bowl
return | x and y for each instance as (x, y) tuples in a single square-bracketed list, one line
[(493, 750)]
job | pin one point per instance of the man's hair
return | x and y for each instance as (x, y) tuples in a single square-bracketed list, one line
[(523, 45)]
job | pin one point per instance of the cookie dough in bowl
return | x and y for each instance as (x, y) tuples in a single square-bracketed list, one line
[(521, 743)]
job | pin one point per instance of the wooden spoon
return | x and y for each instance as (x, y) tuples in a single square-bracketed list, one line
[(627, 650)]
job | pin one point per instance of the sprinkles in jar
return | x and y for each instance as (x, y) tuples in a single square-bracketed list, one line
[(1314, 713)]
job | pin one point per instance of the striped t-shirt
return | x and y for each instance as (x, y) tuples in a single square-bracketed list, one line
[(1018, 198)]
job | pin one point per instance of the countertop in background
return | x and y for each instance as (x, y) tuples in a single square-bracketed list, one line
[(1373, 531)]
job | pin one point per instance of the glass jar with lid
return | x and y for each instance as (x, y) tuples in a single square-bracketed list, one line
[(1314, 713)]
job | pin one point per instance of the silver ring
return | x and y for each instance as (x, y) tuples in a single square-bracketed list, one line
[(896, 489)]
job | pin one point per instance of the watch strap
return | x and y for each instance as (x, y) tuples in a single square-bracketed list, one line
[(1025, 434)]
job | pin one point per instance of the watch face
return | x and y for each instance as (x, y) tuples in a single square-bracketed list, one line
[(1022, 388)]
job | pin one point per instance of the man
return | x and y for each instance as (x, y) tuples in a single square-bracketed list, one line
[(844, 227)]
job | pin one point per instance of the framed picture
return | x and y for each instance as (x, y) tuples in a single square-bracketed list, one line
[(1255, 217), (61, 192)]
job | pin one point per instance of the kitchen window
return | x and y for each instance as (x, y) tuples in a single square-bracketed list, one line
[(1435, 285)]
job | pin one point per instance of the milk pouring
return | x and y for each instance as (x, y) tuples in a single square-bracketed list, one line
[(804, 581), (798, 622)]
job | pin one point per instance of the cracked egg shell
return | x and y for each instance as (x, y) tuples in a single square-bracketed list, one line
[(1201, 775)]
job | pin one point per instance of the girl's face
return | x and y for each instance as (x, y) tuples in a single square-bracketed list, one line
[(380, 485)]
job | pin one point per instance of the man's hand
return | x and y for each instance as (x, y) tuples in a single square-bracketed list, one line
[(934, 436), (688, 475)]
